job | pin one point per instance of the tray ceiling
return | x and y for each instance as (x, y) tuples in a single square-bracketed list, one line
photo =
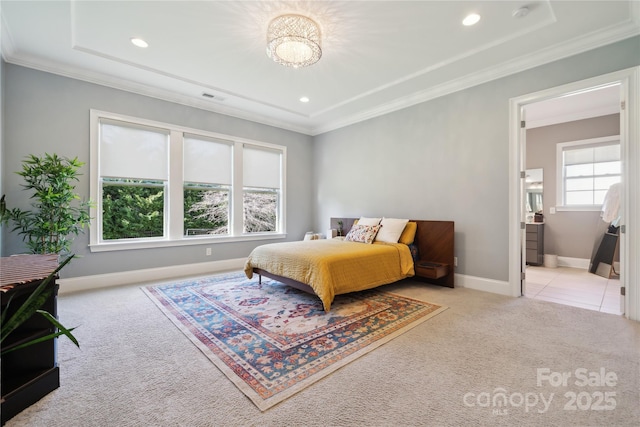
[(378, 56)]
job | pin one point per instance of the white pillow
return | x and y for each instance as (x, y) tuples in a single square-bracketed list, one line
[(391, 229), (368, 221)]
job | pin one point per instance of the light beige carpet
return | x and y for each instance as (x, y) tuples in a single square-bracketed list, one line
[(134, 368)]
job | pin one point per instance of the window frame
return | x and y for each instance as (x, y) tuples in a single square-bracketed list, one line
[(560, 167), (174, 199)]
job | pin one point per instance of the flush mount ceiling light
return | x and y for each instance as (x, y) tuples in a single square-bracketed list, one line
[(293, 41)]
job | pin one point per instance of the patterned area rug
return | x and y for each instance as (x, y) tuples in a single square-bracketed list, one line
[(272, 340)]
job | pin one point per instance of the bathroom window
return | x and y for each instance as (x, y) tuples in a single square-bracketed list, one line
[(586, 170)]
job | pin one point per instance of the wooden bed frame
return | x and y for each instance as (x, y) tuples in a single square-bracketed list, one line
[(435, 242)]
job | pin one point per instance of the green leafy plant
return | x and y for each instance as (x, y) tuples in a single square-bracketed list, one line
[(31, 306), (58, 213)]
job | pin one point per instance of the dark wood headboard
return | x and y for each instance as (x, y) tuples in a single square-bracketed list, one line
[(435, 242)]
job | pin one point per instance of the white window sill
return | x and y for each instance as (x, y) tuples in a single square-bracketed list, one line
[(191, 241), (587, 208)]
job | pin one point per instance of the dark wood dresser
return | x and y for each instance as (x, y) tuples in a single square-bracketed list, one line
[(30, 373), (535, 243)]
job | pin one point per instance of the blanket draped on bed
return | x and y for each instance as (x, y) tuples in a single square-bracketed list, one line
[(332, 266)]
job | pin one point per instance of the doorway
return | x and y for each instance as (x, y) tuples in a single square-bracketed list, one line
[(584, 129), (629, 82)]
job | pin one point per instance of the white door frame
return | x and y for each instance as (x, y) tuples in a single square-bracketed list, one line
[(629, 80)]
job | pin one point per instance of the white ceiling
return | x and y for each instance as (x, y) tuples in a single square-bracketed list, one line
[(594, 102), (378, 56)]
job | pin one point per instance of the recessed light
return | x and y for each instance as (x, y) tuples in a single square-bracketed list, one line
[(139, 42), (471, 19), (304, 99)]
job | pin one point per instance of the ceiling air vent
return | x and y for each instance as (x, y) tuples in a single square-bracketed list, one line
[(211, 96)]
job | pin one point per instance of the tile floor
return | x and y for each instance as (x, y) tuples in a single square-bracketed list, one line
[(575, 287)]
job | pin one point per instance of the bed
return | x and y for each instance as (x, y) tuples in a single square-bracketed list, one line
[(330, 267)]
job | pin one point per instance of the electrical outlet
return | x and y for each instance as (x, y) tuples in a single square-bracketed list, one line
[(455, 261), (208, 251)]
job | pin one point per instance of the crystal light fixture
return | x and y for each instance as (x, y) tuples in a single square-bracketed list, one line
[(293, 41)]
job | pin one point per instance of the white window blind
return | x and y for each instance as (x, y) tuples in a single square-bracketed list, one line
[(207, 161), (590, 155), (588, 169), (220, 187), (261, 167), (132, 151)]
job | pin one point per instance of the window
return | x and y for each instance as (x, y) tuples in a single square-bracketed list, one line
[(586, 171), (207, 185), (157, 184), (261, 189), (133, 178)]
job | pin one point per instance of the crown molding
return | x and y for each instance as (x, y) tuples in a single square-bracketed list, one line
[(151, 91), (530, 60), (450, 61), (175, 77)]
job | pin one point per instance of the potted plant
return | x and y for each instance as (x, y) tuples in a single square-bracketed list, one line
[(57, 212), (56, 215)]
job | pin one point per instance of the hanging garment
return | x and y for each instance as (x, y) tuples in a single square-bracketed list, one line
[(611, 204)]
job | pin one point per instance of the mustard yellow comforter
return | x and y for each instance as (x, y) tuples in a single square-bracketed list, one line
[(333, 266)]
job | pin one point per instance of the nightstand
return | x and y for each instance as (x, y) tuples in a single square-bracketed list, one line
[(431, 270)]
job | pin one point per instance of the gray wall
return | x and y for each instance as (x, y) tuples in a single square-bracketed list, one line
[(567, 234), (50, 113), (445, 159)]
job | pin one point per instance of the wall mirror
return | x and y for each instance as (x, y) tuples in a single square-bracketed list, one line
[(533, 190)]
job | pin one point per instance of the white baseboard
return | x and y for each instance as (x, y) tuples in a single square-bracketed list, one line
[(84, 283), (565, 261), (483, 284), (502, 287)]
